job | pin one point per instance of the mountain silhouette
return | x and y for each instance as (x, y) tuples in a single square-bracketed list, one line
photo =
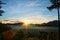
[(51, 23)]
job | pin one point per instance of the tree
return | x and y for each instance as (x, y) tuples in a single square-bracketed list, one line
[(3, 27), (55, 5), (1, 11)]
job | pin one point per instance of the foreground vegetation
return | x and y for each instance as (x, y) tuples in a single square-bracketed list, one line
[(23, 35), (3, 28), (6, 33)]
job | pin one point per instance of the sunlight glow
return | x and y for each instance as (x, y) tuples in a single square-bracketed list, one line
[(26, 23)]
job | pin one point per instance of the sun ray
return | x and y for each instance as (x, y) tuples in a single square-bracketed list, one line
[(26, 23)]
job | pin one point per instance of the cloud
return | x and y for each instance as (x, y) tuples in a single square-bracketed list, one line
[(30, 9), (32, 3), (35, 17)]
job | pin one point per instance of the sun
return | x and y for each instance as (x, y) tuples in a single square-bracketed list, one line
[(26, 23)]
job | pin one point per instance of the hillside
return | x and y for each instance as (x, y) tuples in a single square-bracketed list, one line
[(51, 23)]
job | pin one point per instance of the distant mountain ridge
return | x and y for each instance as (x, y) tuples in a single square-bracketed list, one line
[(10, 22), (51, 23), (15, 24)]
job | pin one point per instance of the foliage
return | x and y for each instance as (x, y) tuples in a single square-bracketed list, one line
[(18, 36), (3, 27), (55, 4)]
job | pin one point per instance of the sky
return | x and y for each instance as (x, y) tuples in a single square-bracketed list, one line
[(34, 10)]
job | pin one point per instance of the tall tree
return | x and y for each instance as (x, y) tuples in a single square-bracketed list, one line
[(55, 5), (1, 11)]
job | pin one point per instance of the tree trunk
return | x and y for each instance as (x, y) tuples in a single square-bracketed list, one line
[(58, 14), (58, 17)]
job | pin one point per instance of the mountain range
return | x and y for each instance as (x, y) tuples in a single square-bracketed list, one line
[(51, 23)]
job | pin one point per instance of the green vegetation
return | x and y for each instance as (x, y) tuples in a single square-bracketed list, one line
[(22, 35)]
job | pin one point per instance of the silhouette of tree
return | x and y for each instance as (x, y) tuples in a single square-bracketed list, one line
[(1, 11), (55, 5), (3, 27)]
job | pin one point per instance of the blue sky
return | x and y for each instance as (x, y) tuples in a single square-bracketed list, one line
[(34, 10)]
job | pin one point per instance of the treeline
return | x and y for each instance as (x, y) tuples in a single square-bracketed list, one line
[(3, 27), (51, 23)]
